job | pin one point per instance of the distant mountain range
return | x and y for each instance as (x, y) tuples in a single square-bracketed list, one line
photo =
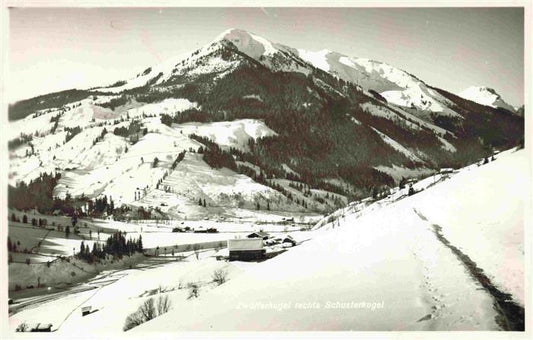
[(247, 124)]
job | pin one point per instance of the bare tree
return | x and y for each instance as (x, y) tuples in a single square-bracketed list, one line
[(133, 320), (147, 311), (219, 276), (196, 249), (163, 305)]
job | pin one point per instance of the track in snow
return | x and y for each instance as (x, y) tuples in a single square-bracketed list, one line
[(510, 314)]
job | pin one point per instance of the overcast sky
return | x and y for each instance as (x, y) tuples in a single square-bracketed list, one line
[(453, 48)]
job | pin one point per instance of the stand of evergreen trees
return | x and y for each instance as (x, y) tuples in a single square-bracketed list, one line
[(116, 102), (134, 128), (21, 109), (38, 193), (189, 115), (214, 155), (178, 159), (23, 139), (115, 245), (71, 132)]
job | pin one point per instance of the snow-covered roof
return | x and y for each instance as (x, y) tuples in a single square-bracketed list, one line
[(261, 234)]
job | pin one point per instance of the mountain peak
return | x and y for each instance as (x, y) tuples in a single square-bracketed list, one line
[(484, 89), (480, 89), (247, 42), (486, 96), (229, 32)]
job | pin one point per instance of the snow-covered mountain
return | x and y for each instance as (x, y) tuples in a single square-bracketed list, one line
[(486, 96), (245, 123), (273, 56), (396, 86)]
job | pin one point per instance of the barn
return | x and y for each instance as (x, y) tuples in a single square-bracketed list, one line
[(246, 249)]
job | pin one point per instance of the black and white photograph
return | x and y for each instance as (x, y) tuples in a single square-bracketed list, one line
[(172, 170)]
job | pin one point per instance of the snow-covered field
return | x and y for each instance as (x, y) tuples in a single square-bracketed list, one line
[(378, 267)]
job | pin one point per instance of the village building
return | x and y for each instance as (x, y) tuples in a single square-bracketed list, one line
[(289, 241), (259, 234), (246, 249)]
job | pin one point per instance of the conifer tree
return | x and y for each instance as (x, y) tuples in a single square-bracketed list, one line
[(140, 243), (82, 250)]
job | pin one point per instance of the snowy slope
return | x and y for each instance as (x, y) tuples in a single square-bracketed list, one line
[(169, 106), (95, 163), (486, 96), (107, 169), (119, 293), (222, 189), (87, 113), (94, 168), (228, 134), (384, 270), (481, 210)]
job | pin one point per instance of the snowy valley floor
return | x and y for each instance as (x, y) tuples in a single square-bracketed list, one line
[(394, 266)]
